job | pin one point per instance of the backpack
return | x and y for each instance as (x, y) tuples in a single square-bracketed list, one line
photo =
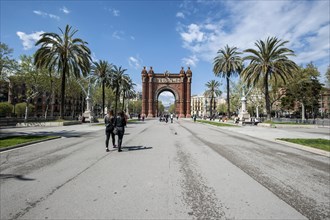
[(109, 123), (120, 122)]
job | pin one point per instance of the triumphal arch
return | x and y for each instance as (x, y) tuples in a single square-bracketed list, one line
[(155, 83)]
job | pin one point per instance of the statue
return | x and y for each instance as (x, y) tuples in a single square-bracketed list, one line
[(88, 114)]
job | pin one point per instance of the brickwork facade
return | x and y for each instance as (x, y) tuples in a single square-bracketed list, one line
[(155, 83)]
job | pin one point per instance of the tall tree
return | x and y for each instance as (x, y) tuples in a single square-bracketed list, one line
[(226, 64), (118, 77), (67, 54), (304, 88), (269, 60), (212, 91), (102, 73), (7, 64), (327, 75), (127, 90)]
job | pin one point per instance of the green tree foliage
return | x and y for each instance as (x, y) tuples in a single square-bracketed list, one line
[(20, 109), (128, 91), (66, 54), (226, 64), (212, 91), (161, 107), (118, 79), (304, 88), (5, 109), (269, 60), (327, 76), (109, 94), (171, 109), (135, 107), (102, 74), (7, 64)]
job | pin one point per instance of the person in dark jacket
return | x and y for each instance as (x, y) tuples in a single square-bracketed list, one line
[(120, 125), (109, 121)]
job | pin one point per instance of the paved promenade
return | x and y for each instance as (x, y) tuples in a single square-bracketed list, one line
[(183, 170)]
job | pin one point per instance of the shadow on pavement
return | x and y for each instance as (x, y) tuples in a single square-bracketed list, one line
[(132, 148), (13, 176)]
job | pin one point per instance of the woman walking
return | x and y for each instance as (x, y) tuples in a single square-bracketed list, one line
[(109, 121), (120, 126)]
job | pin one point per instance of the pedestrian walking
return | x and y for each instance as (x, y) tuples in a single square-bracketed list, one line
[(109, 121), (172, 118), (120, 126)]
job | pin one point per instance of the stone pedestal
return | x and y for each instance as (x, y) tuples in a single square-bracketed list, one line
[(88, 116), (244, 115)]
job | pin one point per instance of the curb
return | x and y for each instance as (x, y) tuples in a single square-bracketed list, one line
[(28, 143), (306, 148)]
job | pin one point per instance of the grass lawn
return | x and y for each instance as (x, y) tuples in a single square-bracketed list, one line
[(15, 140), (216, 123), (319, 143)]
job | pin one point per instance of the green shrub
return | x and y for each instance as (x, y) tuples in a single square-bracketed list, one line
[(5, 109)]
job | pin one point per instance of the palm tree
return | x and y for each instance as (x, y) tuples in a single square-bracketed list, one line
[(118, 77), (66, 54), (102, 74), (226, 64), (212, 91), (269, 61), (127, 90)]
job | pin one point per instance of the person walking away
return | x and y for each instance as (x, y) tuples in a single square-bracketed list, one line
[(109, 121), (195, 117), (120, 125), (172, 118)]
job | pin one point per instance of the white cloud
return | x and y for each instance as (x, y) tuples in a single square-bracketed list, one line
[(118, 35), (190, 61), (44, 14), (40, 13), (115, 12), (179, 15), (54, 17), (28, 40), (167, 98), (65, 10), (305, 24), (134, 62), (193, 34)]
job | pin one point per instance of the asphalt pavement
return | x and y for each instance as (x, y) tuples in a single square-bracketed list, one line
[(183, 170)]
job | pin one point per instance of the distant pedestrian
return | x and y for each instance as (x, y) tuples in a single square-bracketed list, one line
[(120, 126), (195, 116), (172, 118), (109, 121)]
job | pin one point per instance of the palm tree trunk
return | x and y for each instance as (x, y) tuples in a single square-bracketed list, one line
[(103, 98), (228, 101), (63, 91), (267, 98), (116, 101), (123, 106)]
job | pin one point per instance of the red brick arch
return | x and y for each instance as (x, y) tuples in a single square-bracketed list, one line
[(155, 83)]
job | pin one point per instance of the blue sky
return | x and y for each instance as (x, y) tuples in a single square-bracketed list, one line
[(169, 34)]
